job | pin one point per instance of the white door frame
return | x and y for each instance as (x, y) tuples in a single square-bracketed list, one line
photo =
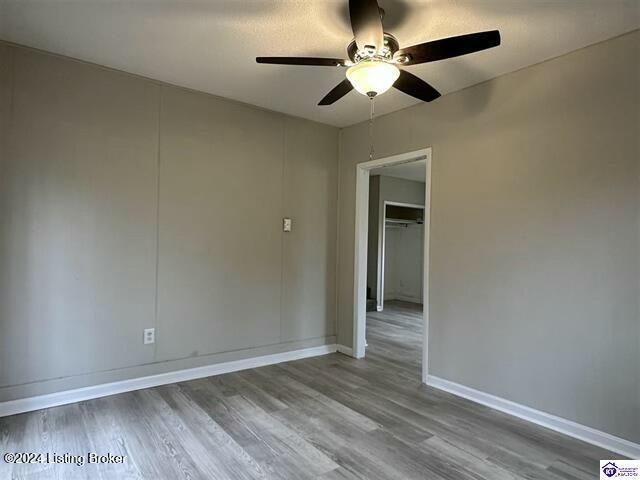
[(382, 229), (360, 253)]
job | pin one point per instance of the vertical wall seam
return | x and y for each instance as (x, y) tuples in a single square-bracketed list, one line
[(4, 135), (638, 271), (283, 213), (337, 239), (158, 165), (12, 76)]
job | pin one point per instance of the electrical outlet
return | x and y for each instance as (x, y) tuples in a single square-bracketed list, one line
[(286, 224), (149, 336)]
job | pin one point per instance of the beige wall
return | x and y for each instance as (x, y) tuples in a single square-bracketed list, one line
[(127, 204), (534, 236)]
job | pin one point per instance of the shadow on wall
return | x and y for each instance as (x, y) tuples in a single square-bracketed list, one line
[(465, 105)]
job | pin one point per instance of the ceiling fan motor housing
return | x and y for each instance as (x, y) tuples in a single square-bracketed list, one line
[(391, 46)]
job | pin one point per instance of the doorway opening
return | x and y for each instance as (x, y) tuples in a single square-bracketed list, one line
[(400, 255), (392, 254)]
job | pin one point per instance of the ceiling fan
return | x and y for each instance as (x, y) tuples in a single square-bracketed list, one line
[(375, 56)]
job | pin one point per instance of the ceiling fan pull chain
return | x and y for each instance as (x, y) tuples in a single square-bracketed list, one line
[(371, 113)]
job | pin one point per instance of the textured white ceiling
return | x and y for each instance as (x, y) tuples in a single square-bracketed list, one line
[(211, 45), (416, 171)]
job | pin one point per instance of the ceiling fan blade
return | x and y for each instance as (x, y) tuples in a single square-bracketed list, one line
[(314, 61), (366, 23), (337, 93), (449, 47), (416, 87)]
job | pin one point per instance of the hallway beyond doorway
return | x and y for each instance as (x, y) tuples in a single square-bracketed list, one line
[(396, 334)]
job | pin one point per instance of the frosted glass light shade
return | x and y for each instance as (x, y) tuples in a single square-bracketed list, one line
[(372, 77)]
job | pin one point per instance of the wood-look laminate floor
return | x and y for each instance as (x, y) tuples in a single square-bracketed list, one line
[(329, 417)]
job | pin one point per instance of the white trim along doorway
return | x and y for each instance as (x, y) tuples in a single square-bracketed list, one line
[(360, 254)]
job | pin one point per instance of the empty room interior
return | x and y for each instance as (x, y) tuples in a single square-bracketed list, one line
[(323, 239)]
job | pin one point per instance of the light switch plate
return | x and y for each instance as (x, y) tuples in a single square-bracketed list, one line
[(149, 336), (286, 224)]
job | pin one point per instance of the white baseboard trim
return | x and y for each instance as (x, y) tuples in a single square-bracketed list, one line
[(29, 404), (344, 349), (408, 298), (402, 298), (568, 427)]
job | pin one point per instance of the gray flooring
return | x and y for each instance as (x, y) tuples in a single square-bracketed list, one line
[(329, 418)]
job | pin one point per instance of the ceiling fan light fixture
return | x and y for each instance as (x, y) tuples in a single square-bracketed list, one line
[(374, 56), (372, 77)]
